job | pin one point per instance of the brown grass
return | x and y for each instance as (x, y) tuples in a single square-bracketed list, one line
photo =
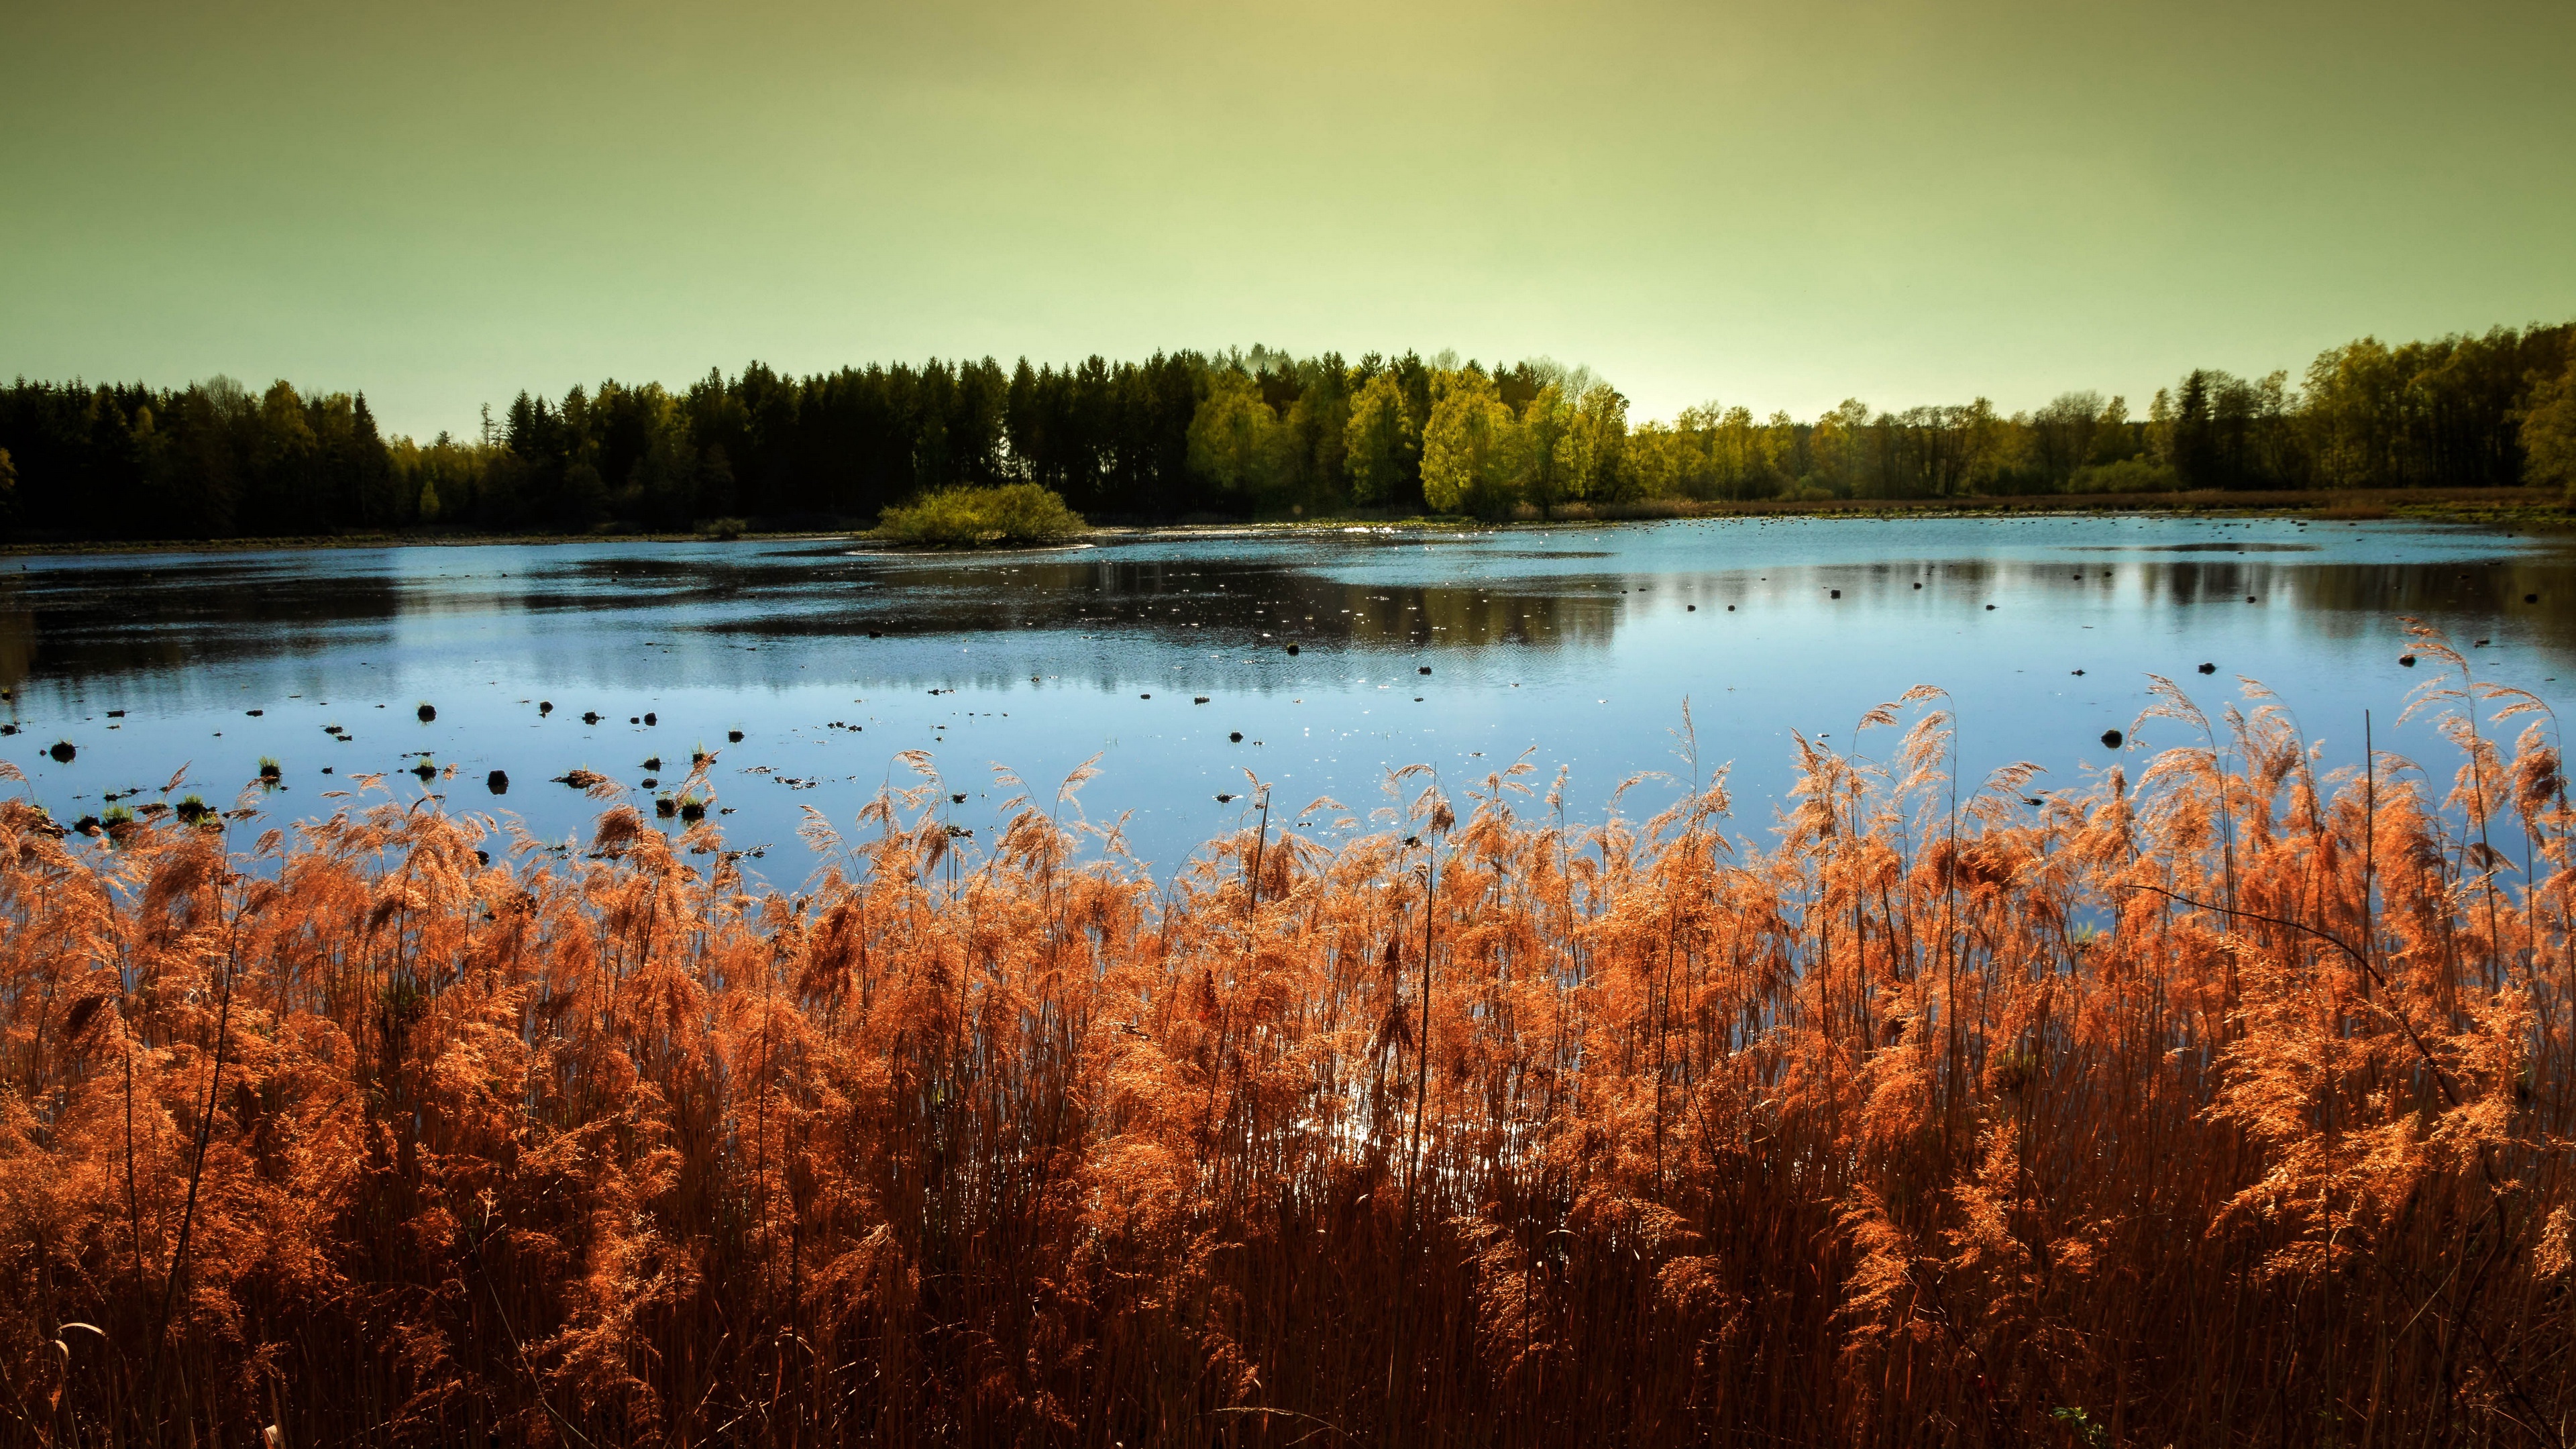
[(2522, 504), (2227, 1104)]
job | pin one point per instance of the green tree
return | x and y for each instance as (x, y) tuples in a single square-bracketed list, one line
[(1236, 442), (2062, 433), (2548, 433), (1838, 452), (2112, 434), (1471, 445), (1550, 463), (1379, 439), (1600, 441)]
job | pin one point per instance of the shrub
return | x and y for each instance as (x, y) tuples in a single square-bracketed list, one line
[(1018, 513)]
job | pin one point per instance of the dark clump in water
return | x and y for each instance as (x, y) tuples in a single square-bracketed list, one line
[(2208, 668), (428, 712), (2111, 739), (2406, 659), (590, 716), (62, 752), (1236, 737), (733, 737), (498, 782), (545, 706)]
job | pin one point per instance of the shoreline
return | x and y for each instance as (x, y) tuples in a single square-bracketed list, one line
[(2507, 509)]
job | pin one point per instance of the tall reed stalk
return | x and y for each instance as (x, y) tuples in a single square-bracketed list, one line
[(2223, 1103)]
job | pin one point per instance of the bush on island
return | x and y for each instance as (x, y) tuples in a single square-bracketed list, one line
[(1017, 513)]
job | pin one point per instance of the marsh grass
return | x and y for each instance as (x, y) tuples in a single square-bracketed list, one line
[(2225, 1102)]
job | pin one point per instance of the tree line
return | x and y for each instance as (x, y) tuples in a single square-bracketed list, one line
[(1235, 434)]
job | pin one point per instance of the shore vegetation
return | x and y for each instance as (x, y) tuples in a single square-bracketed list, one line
[(1235, 435), (2220, 1100), (1010, 514)]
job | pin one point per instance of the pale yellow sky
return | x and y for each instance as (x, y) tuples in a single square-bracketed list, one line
[(1777, 204)]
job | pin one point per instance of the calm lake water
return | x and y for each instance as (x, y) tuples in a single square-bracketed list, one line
[(1579, 646)]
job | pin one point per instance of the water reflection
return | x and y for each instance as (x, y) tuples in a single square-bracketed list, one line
[(109, 619), (713, 607), (832, 661), (1190, 602)]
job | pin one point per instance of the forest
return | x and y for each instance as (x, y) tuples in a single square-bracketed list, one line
[(1258, 434), (2220, 1101)]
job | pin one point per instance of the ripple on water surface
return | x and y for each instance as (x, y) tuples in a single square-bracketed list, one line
[(1189, 664)]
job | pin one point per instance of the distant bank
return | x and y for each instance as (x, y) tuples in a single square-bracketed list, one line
[(1259, 434)]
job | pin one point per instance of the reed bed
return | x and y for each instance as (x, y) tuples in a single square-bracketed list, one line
[(2223, 1103)]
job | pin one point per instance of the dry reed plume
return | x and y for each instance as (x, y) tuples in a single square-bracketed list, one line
[(2228, 1104)]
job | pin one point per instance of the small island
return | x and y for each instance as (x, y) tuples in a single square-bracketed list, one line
[(1015, 515)]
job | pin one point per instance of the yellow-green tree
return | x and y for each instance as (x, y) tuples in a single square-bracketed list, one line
[(1838, 451), (1599, 440), (1378, 440), (1235, 439), (2549, 433), (1550, 460), (1471, 445)]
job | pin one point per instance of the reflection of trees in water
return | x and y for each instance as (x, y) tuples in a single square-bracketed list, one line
[(166, 618), (17, 643), (2340, 600), (2464, 598), (1189, 601), (2475, 595), (89, 623)]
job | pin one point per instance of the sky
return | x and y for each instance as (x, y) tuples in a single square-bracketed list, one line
[(1780, 205)]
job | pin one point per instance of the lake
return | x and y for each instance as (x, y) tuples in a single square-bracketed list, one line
[(1578, 647)]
